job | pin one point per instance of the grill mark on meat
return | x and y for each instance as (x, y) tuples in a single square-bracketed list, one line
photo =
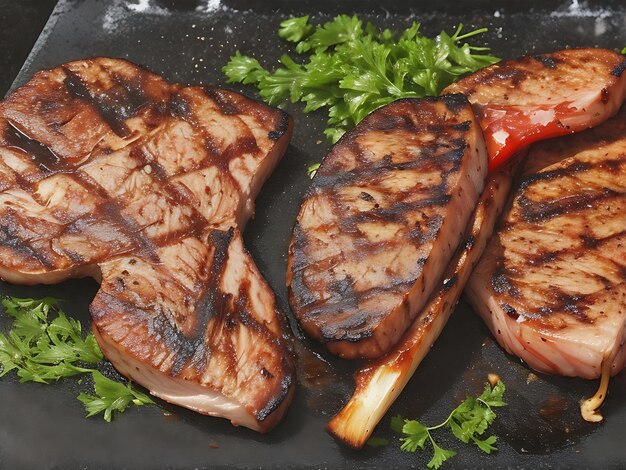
[(285, 385), (112, 212), (175, 194), (455, 102), (364, 176), (433, 225), (41, 154), (226, 106), (116, 105), (213, 303), (532, 211), (549, 62), (541, 211), (504, 72), (9, 238), (510, 311), (179, 107), (573, 168), (501, 283), (464, 126)]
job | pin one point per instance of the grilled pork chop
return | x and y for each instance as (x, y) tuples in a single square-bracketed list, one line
[(551, 284), (386, 210), (525, 100), (380, 381), (109, 171)]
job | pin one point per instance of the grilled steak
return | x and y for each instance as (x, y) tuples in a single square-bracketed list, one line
[(107, 170), (551, 284), (386, 210), (380, 381), (537, 97)]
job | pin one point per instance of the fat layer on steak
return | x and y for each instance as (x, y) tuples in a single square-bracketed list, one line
[(107, 170)]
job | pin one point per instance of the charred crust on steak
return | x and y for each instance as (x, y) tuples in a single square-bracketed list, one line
[(226, 106), (449, 282), (546, 60), (274, 403), (501, 283), (464, 126), (510, 311), (179, 107), (283, 125), (455, 102), (116, 105), (619, 70), (469, 241), (362, 206), (40, 153), (120, 175)]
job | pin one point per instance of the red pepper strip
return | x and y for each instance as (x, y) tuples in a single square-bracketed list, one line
[(508, 129)]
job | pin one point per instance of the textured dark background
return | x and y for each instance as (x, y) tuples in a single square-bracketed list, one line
[(44, 426), (21, 22)]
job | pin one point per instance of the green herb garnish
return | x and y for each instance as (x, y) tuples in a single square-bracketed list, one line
[(312, 169), (44, 350), (111, 396), (353, 69), (377, 442), (468, 422)]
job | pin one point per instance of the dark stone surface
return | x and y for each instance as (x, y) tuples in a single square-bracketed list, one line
[(43, 427), (20, 24)]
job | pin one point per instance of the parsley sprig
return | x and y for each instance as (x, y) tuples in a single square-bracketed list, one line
[(111, 396), (353, 68), (43, 349), (468, 422)]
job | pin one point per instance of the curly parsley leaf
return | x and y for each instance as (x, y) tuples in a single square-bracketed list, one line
[(312, 169), (44, 345), (352, 68), (43, 350), (111, 396), (468, 422), (295, 29)]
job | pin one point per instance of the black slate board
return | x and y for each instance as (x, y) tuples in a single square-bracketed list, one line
[(188, 41)]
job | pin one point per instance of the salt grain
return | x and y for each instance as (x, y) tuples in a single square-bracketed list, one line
[(208, 6), (577, 10)]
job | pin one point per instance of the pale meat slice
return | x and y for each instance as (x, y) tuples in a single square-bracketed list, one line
[(551, 285), (533, 98), (112, 172), (386, 210)]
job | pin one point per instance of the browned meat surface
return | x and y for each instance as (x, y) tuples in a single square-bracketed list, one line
[(107, 170), (385, 212), (525, 100), (551, 285), (380, 381)]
